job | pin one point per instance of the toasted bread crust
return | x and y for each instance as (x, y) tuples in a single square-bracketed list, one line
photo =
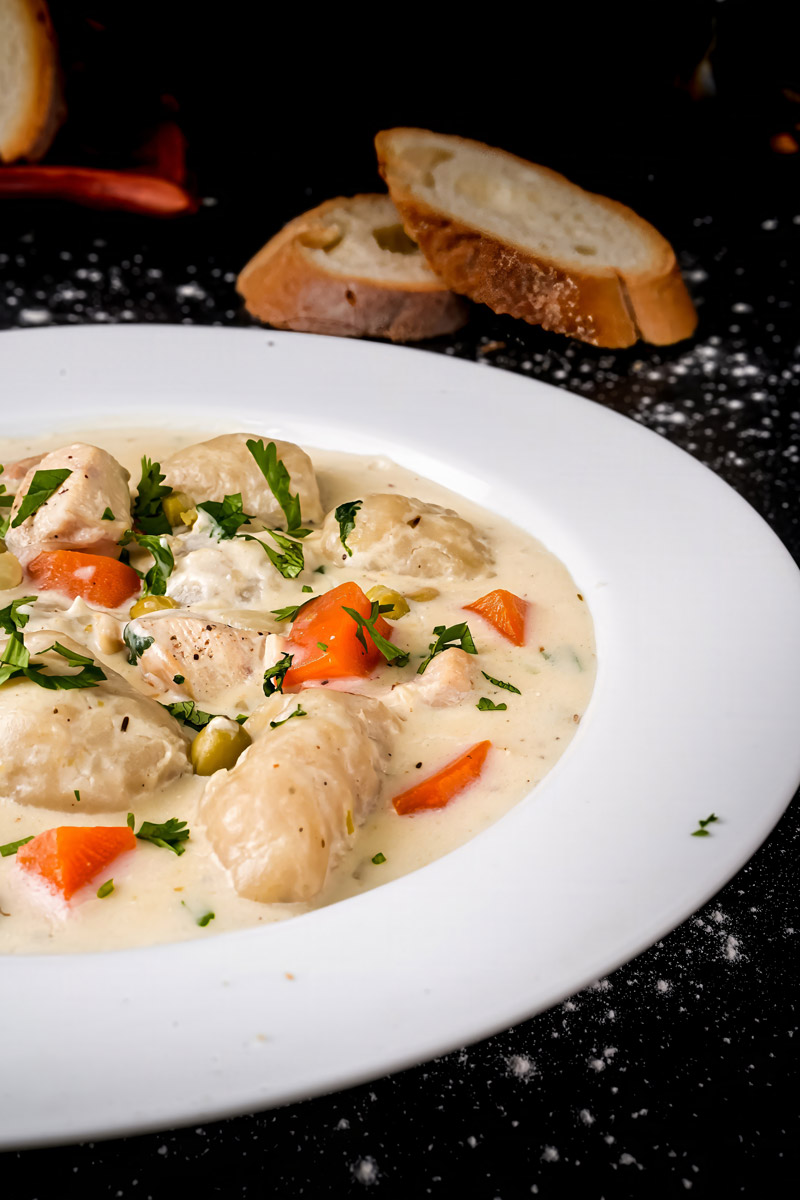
[(283, 286), (602, 307), (39, 123)]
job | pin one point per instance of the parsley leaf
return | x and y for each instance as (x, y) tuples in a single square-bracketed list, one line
[(11, 619), (43, 485), (345, 515), (500, 683), (148, 508), (108, 516), (290, 612), (187, 712), (274, 677), (279, 480), (487, 705), (226, 516), (169, 834), (702, 831), (290, 563), (12, 847), (105, 889), (136, 643), (204, 920), (155, 580), (454, 635), (298, 712), (395, 657), (15, 663), (379, 858)]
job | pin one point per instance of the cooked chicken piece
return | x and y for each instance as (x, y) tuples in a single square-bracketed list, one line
[(108, 743), (409, 537), (286, 813), (219, 664), (448, 679), (14, 472), (224, 466), (72, 519)]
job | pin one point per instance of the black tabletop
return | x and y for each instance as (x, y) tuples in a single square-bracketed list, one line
[(669, 1076)]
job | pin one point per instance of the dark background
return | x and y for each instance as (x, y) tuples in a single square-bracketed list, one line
[(677, 1075)]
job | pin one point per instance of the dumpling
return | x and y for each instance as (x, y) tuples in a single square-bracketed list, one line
[(279, 820), (108, 743), (72, 519), (408, 537), (224, 466)]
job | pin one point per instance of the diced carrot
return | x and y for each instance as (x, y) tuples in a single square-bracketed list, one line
[(324, 638), (95, 578), (439, 789), (68, 857), (505, 611)]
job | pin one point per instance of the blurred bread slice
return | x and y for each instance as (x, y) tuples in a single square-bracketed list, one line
[(348, 268), (31, 103), (524, 240)]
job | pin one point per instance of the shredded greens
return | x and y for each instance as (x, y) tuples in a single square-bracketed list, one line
[(43, 485), (274, 676), (169, 834), (487, 705), (447, 637), (226, 516), (279, 480), (509, 687), (298, 712), (148, 507), (345, 516), (136, 643), (15, 663), (702, 831), (394, 656), (187, 712), (11, 619), (12, 847)]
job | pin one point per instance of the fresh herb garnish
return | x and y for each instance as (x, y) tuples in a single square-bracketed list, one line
[(395, 657), (487, 705), (169, 834), (179, 679), (306, 588), (345, 516), (136, 643), (76, 793), (319, 570), (155, 581), (105, 889), (290, 563), (379, 858), (509, 687), (204, 920), (274, 677), (12, 847), (702, 831), (447, 637), (279, 480), (108, 516), (43, 485), (11, 619), (15, 663), (289, 613), (226, 516), (323, 646), (187, 712), (298, 712), (148, 507)]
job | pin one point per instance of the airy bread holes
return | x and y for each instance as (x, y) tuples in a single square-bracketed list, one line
[(586, 250), (395, 239), (321, 237)]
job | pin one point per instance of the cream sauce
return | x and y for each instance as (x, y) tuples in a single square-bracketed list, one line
[(159, 896)]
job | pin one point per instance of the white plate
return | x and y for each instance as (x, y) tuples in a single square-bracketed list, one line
[(696, 708)]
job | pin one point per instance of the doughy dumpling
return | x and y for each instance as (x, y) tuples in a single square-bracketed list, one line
[(224, 466), (278, 820), (108, 742), (72, 519), (214, 659), (408, 537)]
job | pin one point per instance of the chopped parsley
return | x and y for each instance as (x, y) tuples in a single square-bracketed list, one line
[(291, 562), (15, 663), (108, 516), (136, 643), (319, 570), (226, 516), (509, 687), (395, 657), (187, 712), (155, 581), (105, 889), (43, 485), (298, 712), (306, 588), (11, 619), (6, 501), (76, 793), (345, 515), (702, 831), (169, 834), (12, 847), (446, 638), (487, 705), (379, 858), (274, 676), (179, 679), (323, 647), (204, 920), (148, 507), (289, 613), (279, 480)]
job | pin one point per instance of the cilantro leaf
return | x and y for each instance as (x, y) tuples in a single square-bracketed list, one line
[(274, 677), (148, 507), (395, 657), (279, 480), (11, 619), (12, 847), (169, 834), (136, 643), (345, 515), (43, 485), (187, 712), (226, 516), (454, 635), (501, 684), (298, 712), (487, 705)]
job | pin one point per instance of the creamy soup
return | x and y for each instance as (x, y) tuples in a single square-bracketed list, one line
[(300, 814)]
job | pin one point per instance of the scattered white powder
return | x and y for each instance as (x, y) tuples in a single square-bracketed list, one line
[(663, 985), (365, 1171), (191, 291), (35, 316), (550, 1154), (520, 1066), (586, 1116)]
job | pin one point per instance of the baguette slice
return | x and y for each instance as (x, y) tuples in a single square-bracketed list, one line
[(31, 102), (348, 268), (526, 241)]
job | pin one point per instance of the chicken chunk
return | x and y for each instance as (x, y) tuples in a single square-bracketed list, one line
[(408, 537), (224, 466), (289, 809), (108, 743), (72, 518), (448, 679), (14, 472), (218, 664)]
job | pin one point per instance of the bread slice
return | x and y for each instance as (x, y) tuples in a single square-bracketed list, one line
[(347, 268), (31, 102), (526, 241)]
